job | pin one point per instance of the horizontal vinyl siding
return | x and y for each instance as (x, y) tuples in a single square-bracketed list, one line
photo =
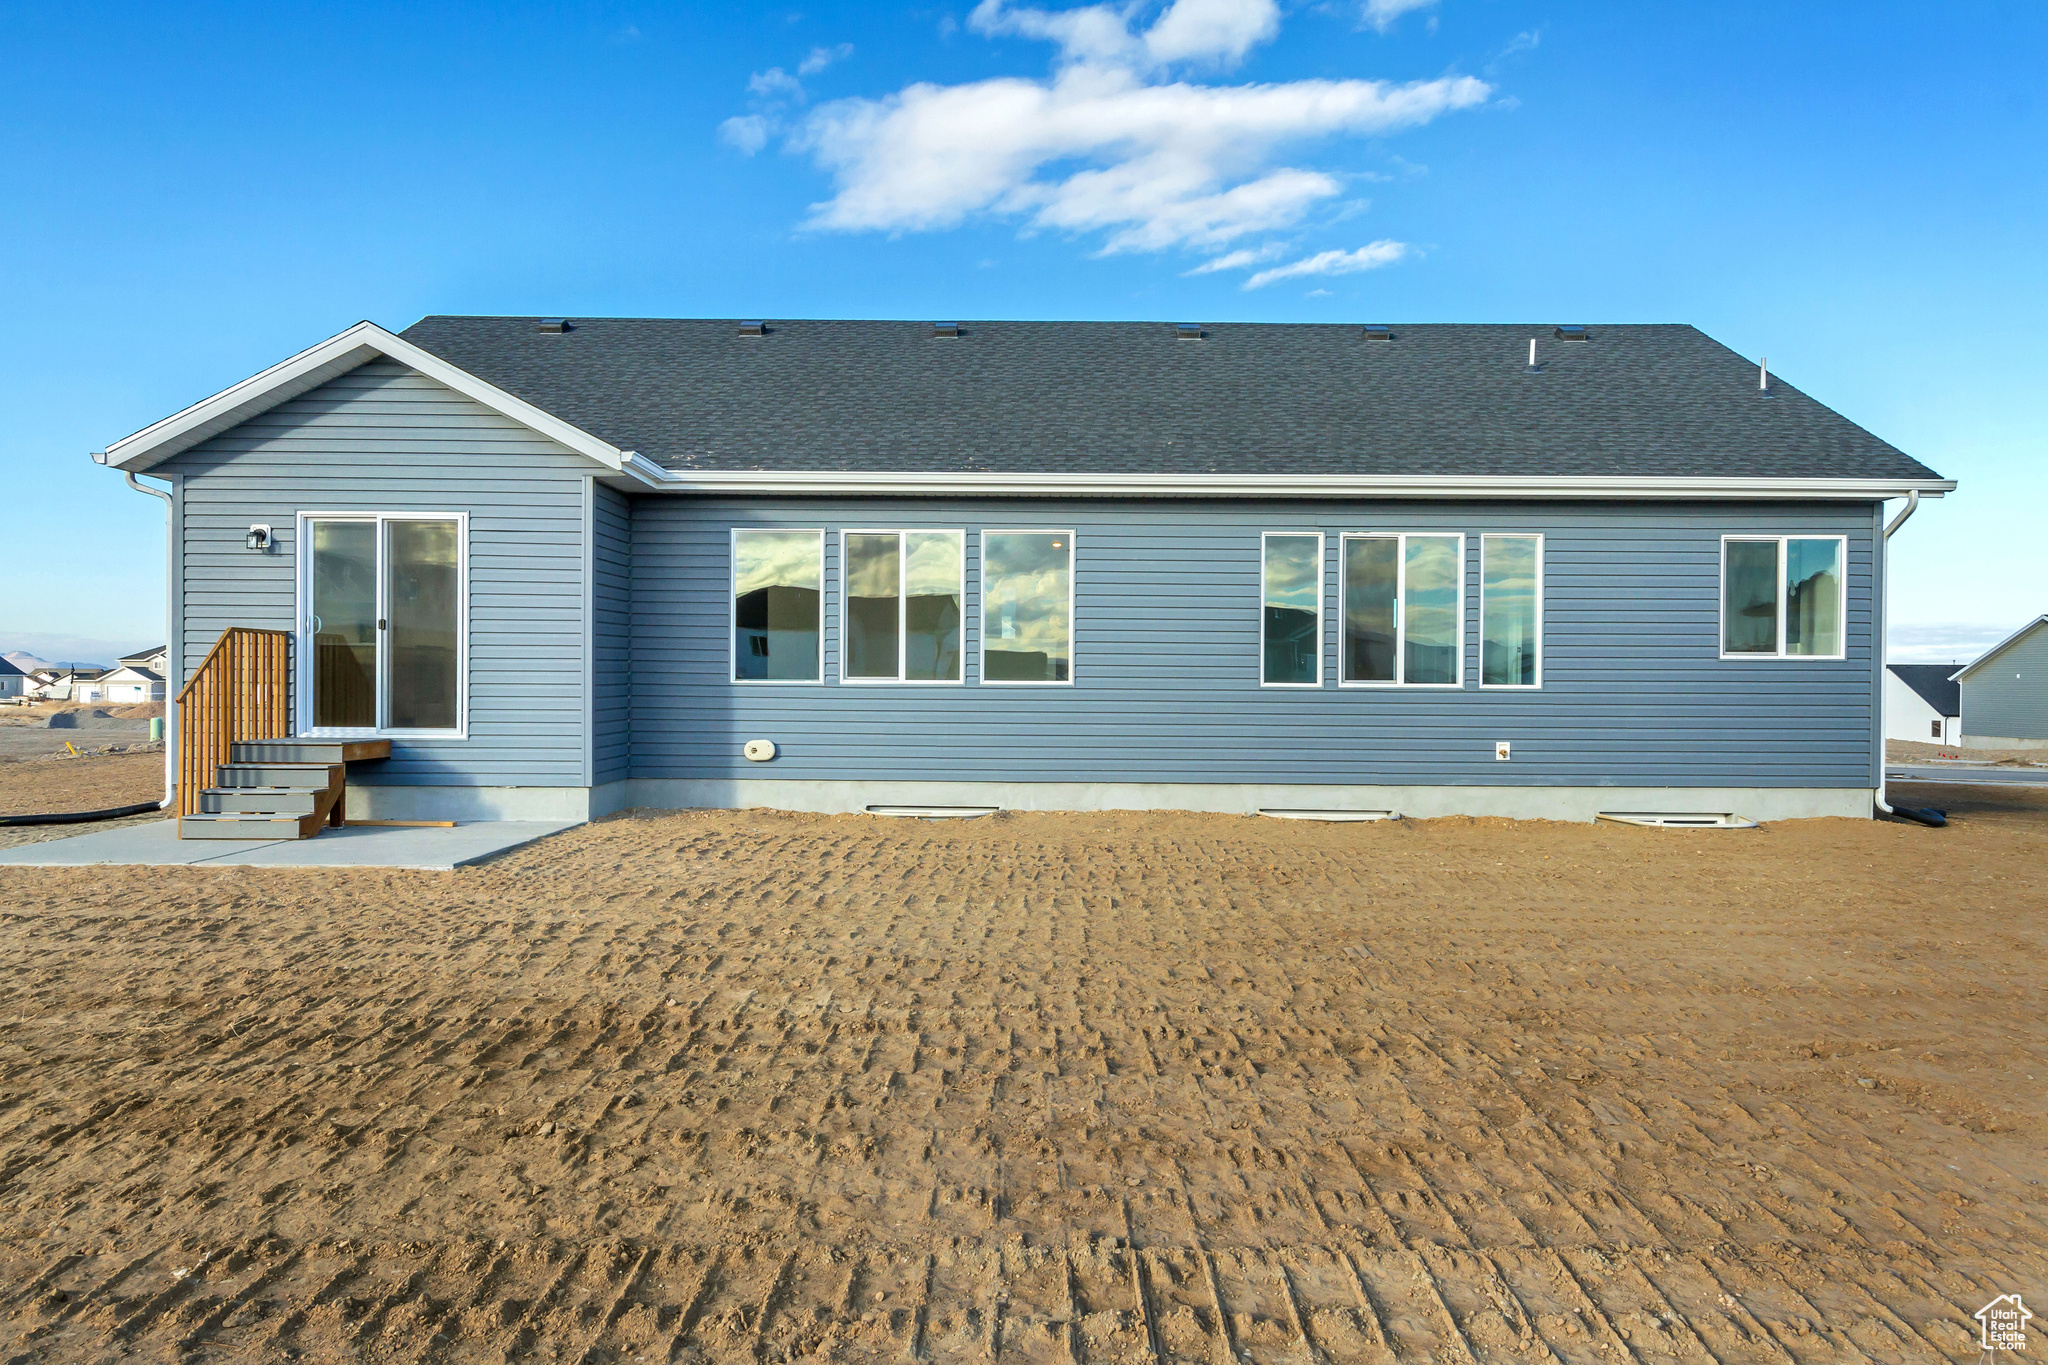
[(1167, 611), (2008, 697), (612, 606), (383, 438)]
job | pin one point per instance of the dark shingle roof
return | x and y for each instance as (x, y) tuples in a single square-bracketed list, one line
[(1932, 682), (1637, 400)]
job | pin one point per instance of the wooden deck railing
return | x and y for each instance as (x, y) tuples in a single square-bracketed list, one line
[(242, 691)]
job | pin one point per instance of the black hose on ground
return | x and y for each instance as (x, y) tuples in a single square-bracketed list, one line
[(1924, 815), (80, 817)]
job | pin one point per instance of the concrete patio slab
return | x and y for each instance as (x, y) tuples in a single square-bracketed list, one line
[(158, 845)]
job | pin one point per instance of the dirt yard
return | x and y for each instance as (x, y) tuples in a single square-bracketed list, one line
[(93, 782), (1158, 1090), (1910, 751)]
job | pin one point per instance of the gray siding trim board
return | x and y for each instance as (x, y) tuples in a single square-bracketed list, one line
[(1167, 667), (612, 618)]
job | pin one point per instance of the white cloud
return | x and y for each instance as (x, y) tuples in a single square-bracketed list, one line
[(1370, 257), (1943, 642), (748, 133), (822, 57), (774, 91), (1381, 14), (1237, 260), (775, 83), (1163, 161)]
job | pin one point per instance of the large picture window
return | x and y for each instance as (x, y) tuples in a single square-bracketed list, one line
[(778, 602), (905, 595), (1510, 611), (1291, 619), (384, 627), (1027, 606), (1782, 597), (1403, 600)]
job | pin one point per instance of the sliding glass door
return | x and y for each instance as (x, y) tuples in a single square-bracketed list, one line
[(381, 639)]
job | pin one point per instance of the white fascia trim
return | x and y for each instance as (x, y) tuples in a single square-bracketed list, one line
[(1988, 655), (314, 366), (653, 476)]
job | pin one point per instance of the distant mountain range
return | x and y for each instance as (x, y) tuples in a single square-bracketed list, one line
[(29, 663)]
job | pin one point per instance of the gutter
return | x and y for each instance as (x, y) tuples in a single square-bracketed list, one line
[(645, 474), (170, 702), (1924, 817)]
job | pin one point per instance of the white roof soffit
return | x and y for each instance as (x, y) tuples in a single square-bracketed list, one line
[(1988, 655), (643, 473), (314, 366)]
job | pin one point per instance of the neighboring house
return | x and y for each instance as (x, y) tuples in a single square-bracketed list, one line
[(156, 660), (130, 684), (74, 684), (1922, 703), (571, 567), (2005, 692), (13, 682)]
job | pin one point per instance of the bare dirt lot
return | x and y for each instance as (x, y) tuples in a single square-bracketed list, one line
[(93, 782), (1911, 751), (744, 1087)]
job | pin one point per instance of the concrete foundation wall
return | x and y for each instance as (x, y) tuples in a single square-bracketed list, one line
[(1416, 802)]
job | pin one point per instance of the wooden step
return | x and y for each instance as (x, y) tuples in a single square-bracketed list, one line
[(292, 801), (301, 776), (308, 750), (249, 826)]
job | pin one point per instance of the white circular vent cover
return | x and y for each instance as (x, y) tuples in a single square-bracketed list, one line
[(759, 750)]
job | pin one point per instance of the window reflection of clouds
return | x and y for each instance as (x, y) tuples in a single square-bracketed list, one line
[(1508, 627), (769, 559), (1432, 589), (871, 565), (1025, 578), (1294, 573), (934, 564)]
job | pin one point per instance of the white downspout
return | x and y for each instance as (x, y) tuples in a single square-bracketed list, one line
[(170, 702), (1883, 631)]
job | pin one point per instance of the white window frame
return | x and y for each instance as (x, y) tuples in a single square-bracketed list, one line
[(1721, 600), (1400, 678), (302, 707), (981, 615), (732, 608), (1536, 536), (903, 536), (1322, 568)]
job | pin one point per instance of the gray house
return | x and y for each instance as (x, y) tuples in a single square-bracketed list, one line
[(566, 567), (2005, 692)]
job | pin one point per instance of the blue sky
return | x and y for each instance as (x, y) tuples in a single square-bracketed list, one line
[(1857, 191)]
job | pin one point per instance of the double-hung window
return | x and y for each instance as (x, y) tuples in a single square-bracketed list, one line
[(1510, 611), (1291, 614), (1404, 607), (383, 644), (1782, 597), (905, 593), (778, 605), (1027, 607)]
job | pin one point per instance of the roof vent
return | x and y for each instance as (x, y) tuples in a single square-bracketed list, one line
[(1378, 331), (753, 329), (552, 325), (1187, 331), (1571, 333), (945, 329)]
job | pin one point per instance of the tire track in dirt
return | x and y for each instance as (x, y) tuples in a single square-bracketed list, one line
[(759, 1088)]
